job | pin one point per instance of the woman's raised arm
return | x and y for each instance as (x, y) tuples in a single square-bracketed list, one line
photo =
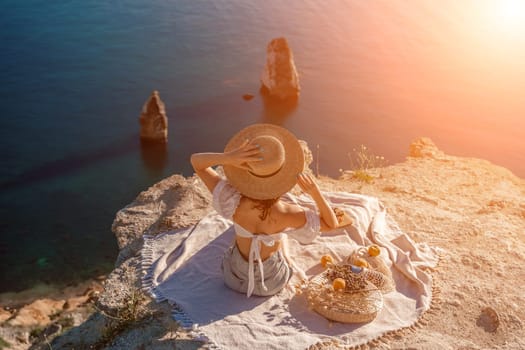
[(309, 186), (240, 157)]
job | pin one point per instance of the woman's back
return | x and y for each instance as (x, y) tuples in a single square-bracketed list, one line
[(280, 216)]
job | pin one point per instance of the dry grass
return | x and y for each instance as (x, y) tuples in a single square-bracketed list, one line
[(132, 312), (362, 160)]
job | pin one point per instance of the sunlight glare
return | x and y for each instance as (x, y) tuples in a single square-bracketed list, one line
[(510, 14)]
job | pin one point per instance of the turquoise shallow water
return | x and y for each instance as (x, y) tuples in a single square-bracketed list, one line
[(75, 75)]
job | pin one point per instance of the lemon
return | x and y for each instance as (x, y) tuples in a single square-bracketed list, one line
[(361, 262), (326, 259), (374, 250), (339, 284)]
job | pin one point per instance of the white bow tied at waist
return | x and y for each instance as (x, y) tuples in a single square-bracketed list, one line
[(255, 253)]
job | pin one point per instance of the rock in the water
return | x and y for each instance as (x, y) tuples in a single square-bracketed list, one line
[(424, 148), (153, 120), (279, 78)]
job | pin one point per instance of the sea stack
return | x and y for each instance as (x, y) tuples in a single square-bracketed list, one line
[(153, 120), (279, 78)]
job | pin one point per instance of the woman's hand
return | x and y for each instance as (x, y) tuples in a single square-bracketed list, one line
[(308, 185), (243, 155)]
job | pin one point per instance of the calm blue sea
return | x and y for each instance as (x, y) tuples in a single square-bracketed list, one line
[(75, 74)]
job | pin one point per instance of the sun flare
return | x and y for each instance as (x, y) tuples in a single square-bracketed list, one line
[(509, 14)]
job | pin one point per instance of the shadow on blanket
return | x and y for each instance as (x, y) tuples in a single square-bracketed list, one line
[(204, 268)]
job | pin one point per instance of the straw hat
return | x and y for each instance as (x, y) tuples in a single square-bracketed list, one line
[(276, 174)]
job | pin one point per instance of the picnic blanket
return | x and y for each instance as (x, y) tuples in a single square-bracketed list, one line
[(184, 268)]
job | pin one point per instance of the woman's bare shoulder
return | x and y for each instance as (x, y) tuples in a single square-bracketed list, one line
[(290, 208), (292, 215)]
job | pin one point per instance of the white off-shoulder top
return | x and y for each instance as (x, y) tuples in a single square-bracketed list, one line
[(225, 201)]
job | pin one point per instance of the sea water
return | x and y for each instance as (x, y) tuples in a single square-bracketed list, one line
[(75, 74)]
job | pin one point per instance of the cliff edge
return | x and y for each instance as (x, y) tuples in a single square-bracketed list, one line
[(471, 209)]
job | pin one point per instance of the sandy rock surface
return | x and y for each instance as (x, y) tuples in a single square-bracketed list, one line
[(33, 317), (37, 313), (471, 209), (475, 212)]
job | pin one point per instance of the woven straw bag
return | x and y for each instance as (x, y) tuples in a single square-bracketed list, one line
[(375, 263), (357, 304)]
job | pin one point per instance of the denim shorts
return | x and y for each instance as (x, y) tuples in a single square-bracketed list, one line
[(277, 273)]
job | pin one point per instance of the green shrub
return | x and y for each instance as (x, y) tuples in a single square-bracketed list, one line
[(4, 344)]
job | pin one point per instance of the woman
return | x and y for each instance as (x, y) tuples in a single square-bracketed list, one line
[(262, 162)]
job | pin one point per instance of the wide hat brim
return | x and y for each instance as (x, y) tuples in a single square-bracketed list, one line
[(279, 183)]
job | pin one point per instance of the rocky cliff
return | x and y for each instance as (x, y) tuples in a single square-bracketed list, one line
[(473, 210)]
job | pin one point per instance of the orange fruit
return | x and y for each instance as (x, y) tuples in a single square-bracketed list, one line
[(326, 259), (374, 250), (339, 284), (361, 262)]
